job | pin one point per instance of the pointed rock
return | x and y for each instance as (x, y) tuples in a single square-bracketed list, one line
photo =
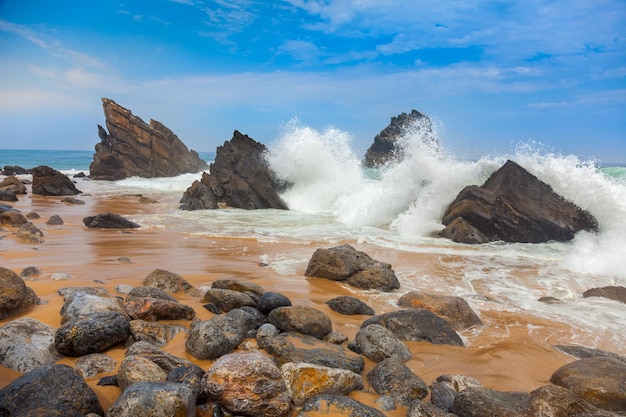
[(135, 148), (513, 206), (240, 177)]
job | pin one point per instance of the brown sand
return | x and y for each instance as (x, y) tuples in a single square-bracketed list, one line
[(512, 352)]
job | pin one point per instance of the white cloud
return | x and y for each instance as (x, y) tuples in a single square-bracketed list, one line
[(53, 46), (615, 96)]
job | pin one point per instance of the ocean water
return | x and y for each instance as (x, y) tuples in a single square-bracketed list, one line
[(398, 209)]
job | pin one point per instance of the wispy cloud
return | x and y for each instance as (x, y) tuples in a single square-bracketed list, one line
[(595, 98), (52, 45)]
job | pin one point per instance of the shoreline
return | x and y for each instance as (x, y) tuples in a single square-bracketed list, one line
[(511, 352)]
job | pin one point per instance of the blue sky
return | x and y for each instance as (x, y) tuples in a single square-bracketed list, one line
[(490, 73)]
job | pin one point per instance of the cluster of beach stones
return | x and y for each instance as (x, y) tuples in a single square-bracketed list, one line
[(270, 358)]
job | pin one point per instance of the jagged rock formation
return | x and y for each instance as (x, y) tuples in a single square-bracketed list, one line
[(240, 177), (134, 148), (513, 206), (385, 146)]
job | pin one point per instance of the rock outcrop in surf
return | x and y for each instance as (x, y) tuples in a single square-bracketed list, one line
[(135, 148), (386, 147), (513, 206), (240, 177)]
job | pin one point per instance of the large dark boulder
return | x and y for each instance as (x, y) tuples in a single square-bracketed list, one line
[(599, 380), (356, 268), (13, 184), (417, 325), (452, 308), (481, 402), (49, 391), (240, 177), (109, 221), (301, 319), (134, 148), (386, 147), (612, 292), (48, 181), (15, 296), (91, 333), (297, 347), (393, 378), (513, 206)]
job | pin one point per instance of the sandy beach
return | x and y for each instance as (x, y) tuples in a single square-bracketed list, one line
[(511, 352)]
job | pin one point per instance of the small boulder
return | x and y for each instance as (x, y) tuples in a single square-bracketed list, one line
[(80, 303), (301, 319), (446, 388), (26, 344), (15, 296), (140, 398), (348, 305), (109, 221), (210, 339), (270, 300), (599, 380), (417, 325), (12, 218), (30, 233), (305, 380), (247, 383), (344, 263), (72, 200), (227, 300), (298, 347), (155, 309), (157, 334), (481, 401), (91, 333), (165, 360), (393, 378), (11, 183), (50, 182), (94, 363), (616, 293), (581, 352), (137, 368), (454, 309), (8, 195), (55, 220), (556, 401), (378, 343), (47, 390), (149, 292), (237, 285), (167, 281)]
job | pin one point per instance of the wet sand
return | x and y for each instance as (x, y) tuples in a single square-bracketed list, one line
[(511, 352)]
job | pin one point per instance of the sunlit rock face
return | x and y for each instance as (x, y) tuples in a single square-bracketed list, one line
[(134, 148)]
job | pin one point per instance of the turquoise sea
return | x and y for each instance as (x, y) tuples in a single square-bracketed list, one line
[(61, 160)]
